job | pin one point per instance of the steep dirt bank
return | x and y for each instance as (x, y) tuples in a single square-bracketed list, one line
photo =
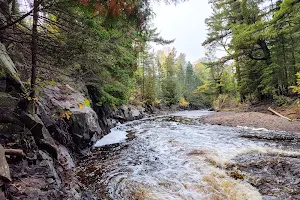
[(252, 119)]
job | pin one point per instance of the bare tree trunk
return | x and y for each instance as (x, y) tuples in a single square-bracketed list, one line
[(286, 73), (34, 47), (143, 88)]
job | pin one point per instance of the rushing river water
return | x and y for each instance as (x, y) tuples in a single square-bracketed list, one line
[(178, 157)]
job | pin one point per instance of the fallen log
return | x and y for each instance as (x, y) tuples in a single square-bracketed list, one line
[(14, 152), (276, 113)]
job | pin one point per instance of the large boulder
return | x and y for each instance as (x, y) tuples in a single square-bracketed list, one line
[(137, 112), (85, 127), (66, 103)]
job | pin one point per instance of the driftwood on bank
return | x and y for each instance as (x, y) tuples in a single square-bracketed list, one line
[(276, 113), (14, 152)]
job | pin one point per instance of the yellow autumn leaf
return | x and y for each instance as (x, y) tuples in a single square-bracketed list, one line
[(68, 116), (87, 102), (80, 105), (183, 102)]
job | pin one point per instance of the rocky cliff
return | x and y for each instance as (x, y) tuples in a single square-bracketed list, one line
[(39, 150)]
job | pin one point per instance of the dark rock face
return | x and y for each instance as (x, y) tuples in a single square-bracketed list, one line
[(109, 117), (48, 140), (53, 138), (76, 124), (52, 143)]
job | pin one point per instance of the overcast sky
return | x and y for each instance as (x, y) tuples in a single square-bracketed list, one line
[(185, 23)]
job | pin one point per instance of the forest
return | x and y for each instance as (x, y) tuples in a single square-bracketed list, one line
[(261, 62), (90, 108), (260, 37), (106, 45)]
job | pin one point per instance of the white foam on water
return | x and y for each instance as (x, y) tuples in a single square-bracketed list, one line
[(192, 113), (172, 160), (115, 136)]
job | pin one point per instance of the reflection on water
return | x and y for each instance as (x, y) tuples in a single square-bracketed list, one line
[(172, 157)]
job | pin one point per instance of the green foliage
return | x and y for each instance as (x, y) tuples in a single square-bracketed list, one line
[(87, 103), (2, 73), (169, 86), (262, 38), (112, 95), (226, 101), (281, 100)]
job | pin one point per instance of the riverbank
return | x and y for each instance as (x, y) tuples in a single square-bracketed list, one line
[(157, 158), (252, 119), (272, 172)]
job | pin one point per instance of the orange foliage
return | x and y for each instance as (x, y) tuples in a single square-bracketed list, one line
[(113, 7), (130, 9), (85, 2), (99, 8)]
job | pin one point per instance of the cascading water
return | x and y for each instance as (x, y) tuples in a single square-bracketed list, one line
[(174, 157)]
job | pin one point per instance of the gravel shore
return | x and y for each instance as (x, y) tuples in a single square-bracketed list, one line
[(252, 119)]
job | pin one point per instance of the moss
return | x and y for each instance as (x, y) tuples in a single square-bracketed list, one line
[(2, 73)]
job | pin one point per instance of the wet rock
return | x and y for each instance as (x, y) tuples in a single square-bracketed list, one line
[(45, 137), (276, 176), (50, 180), (2, 18), (126, 112), (137, 112), (88, 196), (4, 168), (43, 112)]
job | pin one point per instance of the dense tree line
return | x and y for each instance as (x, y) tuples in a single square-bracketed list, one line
[(261, 37), (96, 43), (168, 77)]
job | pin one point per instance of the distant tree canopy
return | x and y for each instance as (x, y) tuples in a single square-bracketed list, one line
[(96, 42), (166, 76), (262, 38)]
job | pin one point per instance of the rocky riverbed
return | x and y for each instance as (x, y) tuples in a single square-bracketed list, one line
[(180, 157)]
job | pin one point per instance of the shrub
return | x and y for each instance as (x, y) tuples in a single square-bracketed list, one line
[(296, 89), (225, 101), (183, 102), (281, 100)]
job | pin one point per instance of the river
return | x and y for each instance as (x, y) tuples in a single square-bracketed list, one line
[(178, 157)]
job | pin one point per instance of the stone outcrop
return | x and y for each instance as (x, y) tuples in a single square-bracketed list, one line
[(110, 117), (76, 122), (49, 149), (52, 139)]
